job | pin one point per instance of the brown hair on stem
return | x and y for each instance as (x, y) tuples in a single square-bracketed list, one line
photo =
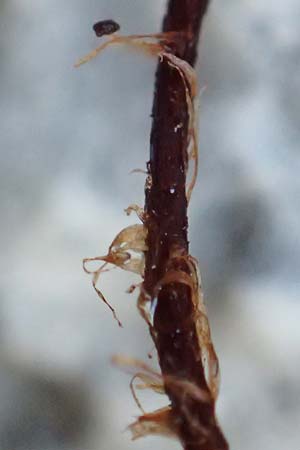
[(170, 298)]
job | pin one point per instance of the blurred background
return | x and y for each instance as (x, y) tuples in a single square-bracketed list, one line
[(69, 139)]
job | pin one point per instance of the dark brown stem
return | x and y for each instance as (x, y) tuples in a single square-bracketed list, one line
[(174, 329)]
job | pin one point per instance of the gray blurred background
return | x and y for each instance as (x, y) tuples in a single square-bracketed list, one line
[(69, 139)]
